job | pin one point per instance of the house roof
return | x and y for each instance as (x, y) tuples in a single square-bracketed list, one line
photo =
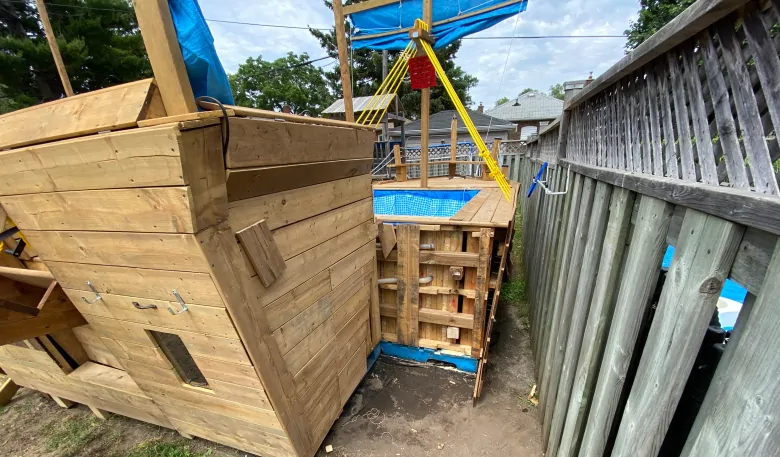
[(360, 103), (441, 121), (531, 106)]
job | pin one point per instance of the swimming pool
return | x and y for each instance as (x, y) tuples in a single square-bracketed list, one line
[(431, 203)]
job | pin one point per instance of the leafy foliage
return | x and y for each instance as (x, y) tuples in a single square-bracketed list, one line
[(653, 14), (288, 80), (525, 91), (99, 40), (367, 74), (556, 90), (502, 100)]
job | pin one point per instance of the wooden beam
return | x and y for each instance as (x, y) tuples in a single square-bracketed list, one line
[(483, 279), (55, 49), (7, 391), (425, 103), (446, 258), (400, 168), (367, 5), (266, 114), (453, 147), (386, 238), (67, 404), (341, 42), (408, 292), (740, 206), (162, 46), (690, 22)]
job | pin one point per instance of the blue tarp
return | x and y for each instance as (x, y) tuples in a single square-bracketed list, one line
[(433, 203), (207, 77), (401, 15)]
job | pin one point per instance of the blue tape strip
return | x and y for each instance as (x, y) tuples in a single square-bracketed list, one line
[(462, 363)]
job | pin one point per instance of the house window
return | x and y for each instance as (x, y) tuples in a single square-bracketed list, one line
[(528, 131)]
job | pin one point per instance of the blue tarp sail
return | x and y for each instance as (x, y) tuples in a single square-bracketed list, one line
[(463, 16), (207, 77)]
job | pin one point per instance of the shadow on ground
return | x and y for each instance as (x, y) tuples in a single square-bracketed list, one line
[(404, 409)]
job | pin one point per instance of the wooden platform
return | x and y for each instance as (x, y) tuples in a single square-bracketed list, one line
[(488, 208)]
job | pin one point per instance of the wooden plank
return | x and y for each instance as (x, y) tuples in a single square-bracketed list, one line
[(743, 207), (164, 251), (358, 260), (162, 47), (701, 128), (209, 320), (196, 288), (407, 271), (310, 263), (254, 182), (301, 236), (760, 161), (582, 304), (351, 374), (441, 221), (341, 45), (7, 391), (727, 130), (113, 108), (245, 308), (639, 277), (599, 318), (66, 339), (288, 207), (681, 119), (263, 253), (193, 116), (375, 317), (386, 238), (579, 244), (31, 277), (481, 288), (448, 318), (163, 209), (687, 24), (445, 258), (298, 299), (363, 6), (134, 158), (704, 253), (467, 212), (485, 213), (55, 49)]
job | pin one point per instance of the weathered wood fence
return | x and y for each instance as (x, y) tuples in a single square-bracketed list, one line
[(674, 145)]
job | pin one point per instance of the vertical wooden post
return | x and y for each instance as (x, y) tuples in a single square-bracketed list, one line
[(408, 286), (705, 252), (425, 103), (341, 42), (162, 46), (400, 168), (563, 135), (55, 49), (62, 402), (453, 146), (481, 288)]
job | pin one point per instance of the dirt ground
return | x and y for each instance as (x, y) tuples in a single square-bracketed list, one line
[(399, 409)]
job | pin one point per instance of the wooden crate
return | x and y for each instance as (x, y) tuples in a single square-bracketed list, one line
[(148, 214)]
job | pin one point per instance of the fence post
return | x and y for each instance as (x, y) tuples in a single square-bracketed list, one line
[(400, 168), (563, 135), (453, 146)]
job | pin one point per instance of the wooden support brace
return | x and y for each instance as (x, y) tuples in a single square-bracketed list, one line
[(263, 253), (453, 147), (408, 292), (62, 402), (387, 238), (483, 277), (400, 168), (7, 391), (99, 413)]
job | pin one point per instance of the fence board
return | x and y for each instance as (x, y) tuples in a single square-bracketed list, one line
[(706, 249), (585, 287), (701, 126), (637, 283), (599, 318)]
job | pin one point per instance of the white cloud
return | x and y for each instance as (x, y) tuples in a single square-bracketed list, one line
[(537, 63)]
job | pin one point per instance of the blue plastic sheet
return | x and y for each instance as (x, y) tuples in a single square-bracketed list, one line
[(433, 203), (401, 15), (207, 77)]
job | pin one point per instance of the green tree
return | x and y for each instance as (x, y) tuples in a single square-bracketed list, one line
[(99, 40), (653, 14), (526, 90), (288, 80), (502, 100), (367, 74), (556, 90)]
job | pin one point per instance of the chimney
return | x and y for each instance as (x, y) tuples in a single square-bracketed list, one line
[(287, 109), (570, 88), (590, 79), (480, 108)]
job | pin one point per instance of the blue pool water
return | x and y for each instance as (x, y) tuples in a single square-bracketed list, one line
[(432, 203)]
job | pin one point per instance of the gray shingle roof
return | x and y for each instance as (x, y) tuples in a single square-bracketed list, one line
[(532, 106), (442, 120)]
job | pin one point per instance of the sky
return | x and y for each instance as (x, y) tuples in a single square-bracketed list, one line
[(504, 67)]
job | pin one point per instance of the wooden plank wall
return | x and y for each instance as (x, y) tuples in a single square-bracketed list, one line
[(279, 360), (421, 314), (674, 149)]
